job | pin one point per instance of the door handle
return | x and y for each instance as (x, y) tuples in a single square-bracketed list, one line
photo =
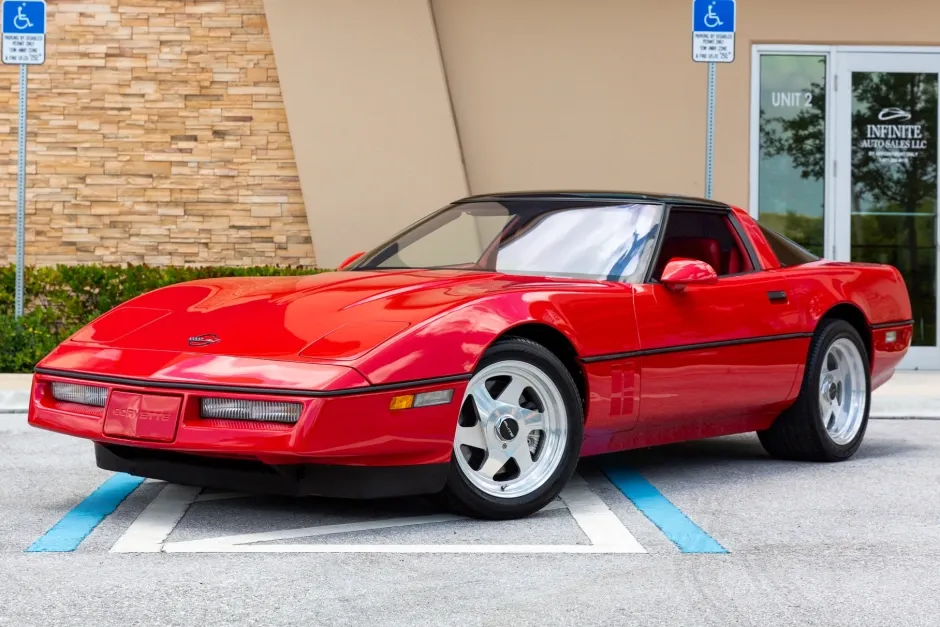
[(777, 297)]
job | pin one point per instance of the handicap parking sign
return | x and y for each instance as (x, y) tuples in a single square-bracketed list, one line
[(24, 32), (713, 28)]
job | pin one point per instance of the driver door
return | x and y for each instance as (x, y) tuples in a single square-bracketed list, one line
[(715, 353)]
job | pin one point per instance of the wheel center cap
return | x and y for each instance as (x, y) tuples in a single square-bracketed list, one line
[(833, 390), (507, 428)]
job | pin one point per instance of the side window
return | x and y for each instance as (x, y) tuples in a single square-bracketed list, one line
[(788, 252), (705, 236)]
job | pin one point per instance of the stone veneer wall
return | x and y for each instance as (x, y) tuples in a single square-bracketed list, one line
[(157, 135)]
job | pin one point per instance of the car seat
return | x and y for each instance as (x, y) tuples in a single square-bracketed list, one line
[(733, 261), (700, 248)]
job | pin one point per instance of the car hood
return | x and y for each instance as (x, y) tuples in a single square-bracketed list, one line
[(326, 316)]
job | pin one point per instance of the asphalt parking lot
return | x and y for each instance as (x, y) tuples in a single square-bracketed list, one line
[(704, 533)]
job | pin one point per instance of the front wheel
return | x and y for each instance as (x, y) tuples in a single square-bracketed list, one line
[(518, 433), (829, 418)]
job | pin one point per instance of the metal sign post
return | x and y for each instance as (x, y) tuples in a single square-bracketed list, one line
[(713, 28), (24, 44)]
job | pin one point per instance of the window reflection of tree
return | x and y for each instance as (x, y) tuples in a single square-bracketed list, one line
[(802, 138), (909, 187)]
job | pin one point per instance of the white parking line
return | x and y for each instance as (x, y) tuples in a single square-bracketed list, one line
[(151, 529), (602, 527), (154, 525), (323, 530), (404, 548)]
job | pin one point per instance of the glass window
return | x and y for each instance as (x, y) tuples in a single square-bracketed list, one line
[(612, 243), (792, 157), (788, 252), (609, 242), (705, 236), (457, 238), (894, 183)]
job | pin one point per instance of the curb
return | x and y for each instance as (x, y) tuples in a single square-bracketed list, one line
[(896, 408), (14, 401)]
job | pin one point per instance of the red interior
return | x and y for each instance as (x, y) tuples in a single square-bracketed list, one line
[(701, 248), (705, 249)]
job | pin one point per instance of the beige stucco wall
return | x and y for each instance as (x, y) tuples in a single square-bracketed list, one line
[(596, 93), (370, 117), (603, 93)]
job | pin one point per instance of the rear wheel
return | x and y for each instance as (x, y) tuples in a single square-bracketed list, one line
[(518, 434), (829, 418)]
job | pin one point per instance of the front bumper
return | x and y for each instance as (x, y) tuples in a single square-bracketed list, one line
[(245, 475), (343, 444)]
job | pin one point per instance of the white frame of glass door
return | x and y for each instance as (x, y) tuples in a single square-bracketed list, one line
[(865, 60), (837, 234)]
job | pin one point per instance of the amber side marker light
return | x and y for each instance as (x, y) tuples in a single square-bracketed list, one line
[(424, 399)]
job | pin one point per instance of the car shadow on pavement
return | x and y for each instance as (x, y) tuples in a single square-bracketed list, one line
[(686, 458), (329, 510), (735, 450)]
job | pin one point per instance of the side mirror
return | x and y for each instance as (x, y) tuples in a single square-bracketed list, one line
[(349, 260), (681, 272)]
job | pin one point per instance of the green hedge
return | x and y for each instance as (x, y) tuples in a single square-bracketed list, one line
[(61, 299)]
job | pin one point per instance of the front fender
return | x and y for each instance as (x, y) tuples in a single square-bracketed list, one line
[(596, 321), (453, 342)]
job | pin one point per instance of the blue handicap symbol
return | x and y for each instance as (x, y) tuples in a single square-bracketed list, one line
[(27, 17), (713, 16)]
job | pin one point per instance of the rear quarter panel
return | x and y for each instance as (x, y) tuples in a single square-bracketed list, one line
[(878, 291)]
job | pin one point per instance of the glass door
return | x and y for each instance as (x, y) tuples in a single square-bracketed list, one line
[(886, 177)]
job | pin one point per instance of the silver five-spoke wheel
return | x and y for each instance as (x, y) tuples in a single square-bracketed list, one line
[(842, 391), (512, 431), (828, 419)]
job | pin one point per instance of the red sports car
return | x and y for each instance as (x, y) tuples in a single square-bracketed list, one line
[(480, 352)]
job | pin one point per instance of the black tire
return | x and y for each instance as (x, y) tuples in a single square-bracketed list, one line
[(798, 434), (462, 497)]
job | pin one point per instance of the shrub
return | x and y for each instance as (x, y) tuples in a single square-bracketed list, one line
[(60, 300)]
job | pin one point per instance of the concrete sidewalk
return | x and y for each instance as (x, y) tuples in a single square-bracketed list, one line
[(14, 393), (907, 395)]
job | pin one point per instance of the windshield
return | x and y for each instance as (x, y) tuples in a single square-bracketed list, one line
[(548, 238)]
